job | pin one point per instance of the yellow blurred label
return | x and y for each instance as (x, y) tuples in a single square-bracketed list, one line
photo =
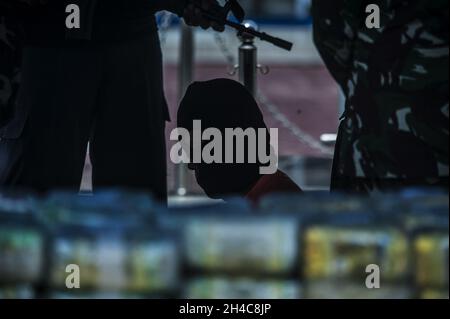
[(331, 252), (431, 258)]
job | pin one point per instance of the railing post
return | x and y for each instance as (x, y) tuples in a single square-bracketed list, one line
[(185, 78), (248, 61)]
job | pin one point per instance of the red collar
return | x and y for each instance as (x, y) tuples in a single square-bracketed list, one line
[(268, 184)]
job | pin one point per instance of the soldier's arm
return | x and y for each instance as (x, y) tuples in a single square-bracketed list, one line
[(332, 38), (9, 64)]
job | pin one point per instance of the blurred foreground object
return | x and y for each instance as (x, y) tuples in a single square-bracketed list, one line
[(311, 246)]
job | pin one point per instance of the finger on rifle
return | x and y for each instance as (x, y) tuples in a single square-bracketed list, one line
[(217, 26), (202, 21), (192, 16)]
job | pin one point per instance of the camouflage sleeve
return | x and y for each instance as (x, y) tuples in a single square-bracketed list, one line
[(10, 55), (396, 125), (332, 37)]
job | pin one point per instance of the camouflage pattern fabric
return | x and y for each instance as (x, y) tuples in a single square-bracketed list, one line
[(395, 128), (10, 55), (11, 43)]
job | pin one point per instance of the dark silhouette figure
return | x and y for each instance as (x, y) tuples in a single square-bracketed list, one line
[(101, 83), (226, 104)]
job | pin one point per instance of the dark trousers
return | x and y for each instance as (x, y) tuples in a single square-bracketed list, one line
[(108, 94)]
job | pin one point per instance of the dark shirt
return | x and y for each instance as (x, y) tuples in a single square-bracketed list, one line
[(123, 18), (112, 20)]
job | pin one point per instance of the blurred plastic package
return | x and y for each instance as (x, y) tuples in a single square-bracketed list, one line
[(114, 241), (242, 288), (111, 264), (346, 289), (431, 261), (22, 245), (242, 245), (332, 252)]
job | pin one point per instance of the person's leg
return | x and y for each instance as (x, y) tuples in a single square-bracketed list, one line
[(44, 146), (128, 143)]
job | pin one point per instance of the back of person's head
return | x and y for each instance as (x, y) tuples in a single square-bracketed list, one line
[(223, 104)]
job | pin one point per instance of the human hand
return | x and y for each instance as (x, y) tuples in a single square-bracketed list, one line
[(193, 14)]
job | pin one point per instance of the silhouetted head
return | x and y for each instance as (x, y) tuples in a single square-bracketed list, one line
[(223, 104)]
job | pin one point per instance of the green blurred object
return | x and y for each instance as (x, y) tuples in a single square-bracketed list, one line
[(242, 245), (337, 253), (114, 239), (22, 244), (242, 288), (328, 289), (21, 255), (431, 260)]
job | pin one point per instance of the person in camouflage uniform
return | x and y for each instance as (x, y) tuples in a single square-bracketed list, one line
[(395, 129)]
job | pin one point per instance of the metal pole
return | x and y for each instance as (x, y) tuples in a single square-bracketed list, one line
[(185, 78), (248, 63)]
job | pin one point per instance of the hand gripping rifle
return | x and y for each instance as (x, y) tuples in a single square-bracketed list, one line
[(220, 15)]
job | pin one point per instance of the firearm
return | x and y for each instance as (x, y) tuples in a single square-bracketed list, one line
[(220, 15)]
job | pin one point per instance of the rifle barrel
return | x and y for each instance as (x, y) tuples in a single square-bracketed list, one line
[(286, 45), (261, 35)]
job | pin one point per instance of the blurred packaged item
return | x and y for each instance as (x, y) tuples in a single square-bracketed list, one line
[(242, 244), (176, 218), (113, 240), (312, 205), (100, 260), (22, 244), (391, 207), (117, 261), (93, 295), (16, 204), (103, 207), (241, 288), (434, 294), (327, 289), (431, 253), (344, 252), (21, 255), (153, 266), (16, 292), (426, 210)]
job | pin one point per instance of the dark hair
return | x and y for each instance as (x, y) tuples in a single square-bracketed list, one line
[(220, 103)]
